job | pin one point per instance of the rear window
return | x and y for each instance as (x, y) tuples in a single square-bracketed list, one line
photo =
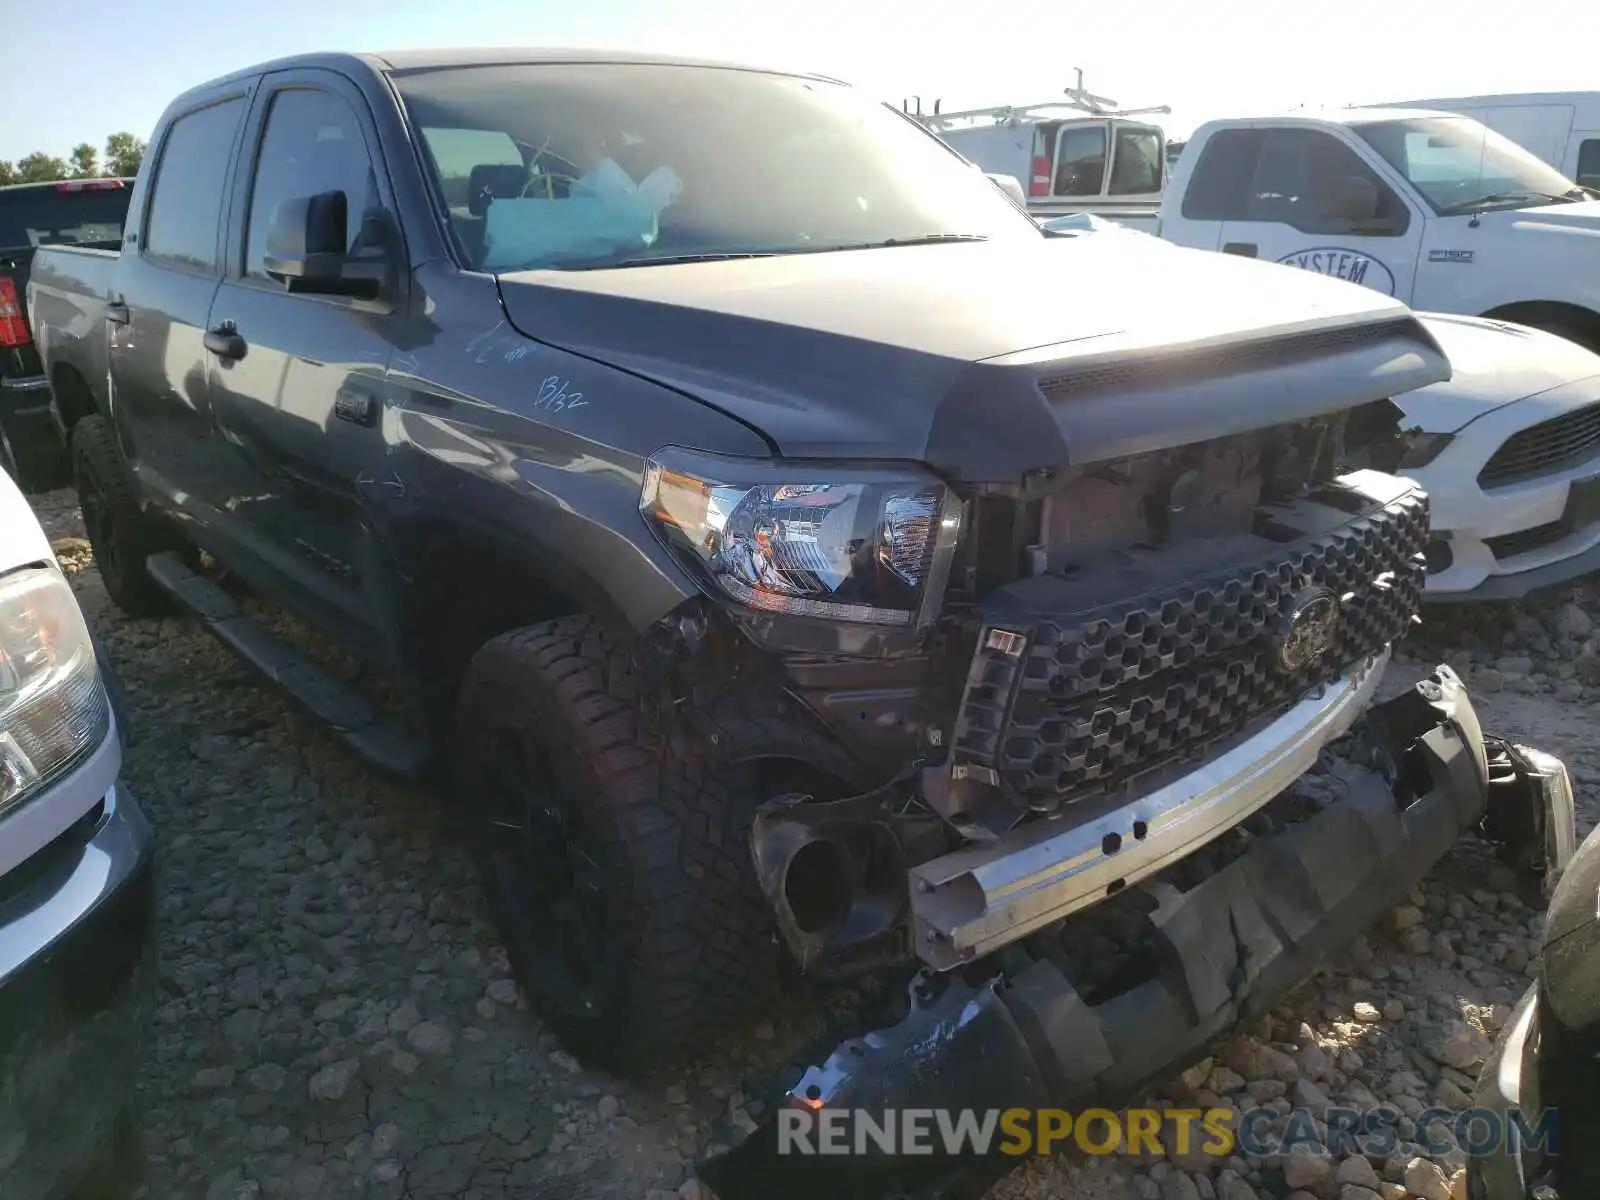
[(1588, 172), (81, 216)]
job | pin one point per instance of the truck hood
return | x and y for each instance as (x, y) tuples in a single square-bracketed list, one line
[(1492, 364), (1581, 219), (873, 353)]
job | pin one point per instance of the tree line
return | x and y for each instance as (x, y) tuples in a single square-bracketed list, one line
[(123, 154)]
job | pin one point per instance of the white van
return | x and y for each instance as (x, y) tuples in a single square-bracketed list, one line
[(1082, 154), (1562, 128)]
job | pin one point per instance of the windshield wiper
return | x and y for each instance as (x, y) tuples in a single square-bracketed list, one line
[(1507, 197), (927, 239), (665, 260)]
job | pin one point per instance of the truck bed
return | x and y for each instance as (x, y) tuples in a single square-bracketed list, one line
[(67, 297)]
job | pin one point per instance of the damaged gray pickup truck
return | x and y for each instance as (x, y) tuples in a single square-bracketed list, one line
[(793, 552)]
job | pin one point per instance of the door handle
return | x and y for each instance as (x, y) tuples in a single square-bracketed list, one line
[(224, 341), (117, 311), (1242, 249)]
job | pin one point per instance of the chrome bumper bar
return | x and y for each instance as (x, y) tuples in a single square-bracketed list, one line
[(972, 902)]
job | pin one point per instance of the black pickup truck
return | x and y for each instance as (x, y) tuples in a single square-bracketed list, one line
[(75, 212), (789, 548)]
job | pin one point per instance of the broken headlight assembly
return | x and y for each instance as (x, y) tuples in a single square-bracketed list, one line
[(848, 542), (1423, 448), (53, 710)]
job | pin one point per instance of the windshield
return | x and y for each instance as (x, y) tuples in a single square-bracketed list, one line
[(585, 165), (1460, 165), (67, 214)]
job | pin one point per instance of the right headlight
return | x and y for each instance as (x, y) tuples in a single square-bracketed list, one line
[(868, 545), (1423, 449), (53, 710)]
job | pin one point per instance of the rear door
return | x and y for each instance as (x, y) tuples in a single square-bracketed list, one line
[(1286, 211), (156, 321), (1080, 163), (305, 393)]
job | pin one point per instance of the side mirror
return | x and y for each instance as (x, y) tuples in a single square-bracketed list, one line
[(1351, 198), (307, 253)]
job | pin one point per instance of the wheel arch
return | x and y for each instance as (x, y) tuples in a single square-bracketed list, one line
[(71, 396), (1556, 316), (470, 586)]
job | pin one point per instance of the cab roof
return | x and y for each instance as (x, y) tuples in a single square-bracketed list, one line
[(1337, 116), (400, 61)]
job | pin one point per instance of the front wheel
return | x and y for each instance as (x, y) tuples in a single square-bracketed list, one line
[(600, 888)]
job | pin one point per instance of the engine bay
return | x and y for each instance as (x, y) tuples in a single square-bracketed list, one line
[(1213, 489)]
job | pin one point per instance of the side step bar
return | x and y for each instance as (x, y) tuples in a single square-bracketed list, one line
[(383, 742)]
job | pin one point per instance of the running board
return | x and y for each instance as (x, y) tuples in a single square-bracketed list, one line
[(382, 742)]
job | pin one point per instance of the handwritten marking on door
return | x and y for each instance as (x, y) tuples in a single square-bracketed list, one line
[(556, 395), (485, 343), (365, 482)]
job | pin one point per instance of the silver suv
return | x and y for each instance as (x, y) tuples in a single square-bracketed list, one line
[(77, 901)]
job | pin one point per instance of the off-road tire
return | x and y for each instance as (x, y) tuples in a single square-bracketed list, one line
[(668, 831), (123, 537)]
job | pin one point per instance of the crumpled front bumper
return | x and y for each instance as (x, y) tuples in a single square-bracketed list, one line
[(1230, 948)]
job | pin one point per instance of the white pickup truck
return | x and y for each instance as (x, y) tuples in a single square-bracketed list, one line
[(1432, 208)]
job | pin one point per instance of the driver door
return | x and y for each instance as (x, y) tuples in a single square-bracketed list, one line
[(1291, 212)]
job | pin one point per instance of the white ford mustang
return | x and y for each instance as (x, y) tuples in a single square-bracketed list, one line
[(1510, 457), (1509, 451)]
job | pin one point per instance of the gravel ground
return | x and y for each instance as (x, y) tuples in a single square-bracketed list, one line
[(336, 1018)]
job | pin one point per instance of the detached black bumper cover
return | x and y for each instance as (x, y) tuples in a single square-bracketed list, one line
[(1229, 948)]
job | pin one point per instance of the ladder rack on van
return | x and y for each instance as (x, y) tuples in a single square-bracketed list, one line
[(1078, 100)]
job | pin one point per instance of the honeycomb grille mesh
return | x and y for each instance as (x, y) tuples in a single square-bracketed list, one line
[(1104, 694), (1552, 445)]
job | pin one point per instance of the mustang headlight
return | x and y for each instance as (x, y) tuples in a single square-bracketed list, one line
[(843, 543), (1424, 448), (53, 710)]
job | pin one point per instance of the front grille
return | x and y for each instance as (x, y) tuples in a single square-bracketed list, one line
[(1525, 541), (1553, 445), (1100, 696)]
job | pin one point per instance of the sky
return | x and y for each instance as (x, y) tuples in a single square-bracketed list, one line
[(115, 69)]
